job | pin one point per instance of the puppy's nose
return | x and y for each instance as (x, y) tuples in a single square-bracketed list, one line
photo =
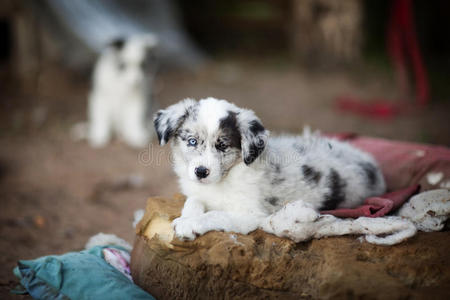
[(201, 172)]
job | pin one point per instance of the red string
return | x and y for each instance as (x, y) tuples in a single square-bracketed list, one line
[(402, 44), (402, 39)]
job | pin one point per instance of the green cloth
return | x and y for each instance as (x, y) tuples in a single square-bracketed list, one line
[(76, 275)]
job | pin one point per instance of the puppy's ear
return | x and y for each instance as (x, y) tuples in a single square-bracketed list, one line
[(253, 135), (118, 44), (167, 121)]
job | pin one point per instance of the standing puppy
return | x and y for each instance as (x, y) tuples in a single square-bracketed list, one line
[(119, 102), (234, 175)]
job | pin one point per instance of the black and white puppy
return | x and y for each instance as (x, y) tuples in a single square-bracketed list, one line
[(120, 98), (235, 176)]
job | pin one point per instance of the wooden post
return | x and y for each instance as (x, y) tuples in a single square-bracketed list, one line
[(326, 32)]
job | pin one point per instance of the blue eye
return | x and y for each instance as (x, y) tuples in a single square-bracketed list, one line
[(192, 142)]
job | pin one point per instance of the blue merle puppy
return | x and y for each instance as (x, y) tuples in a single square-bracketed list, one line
[(234, 175)]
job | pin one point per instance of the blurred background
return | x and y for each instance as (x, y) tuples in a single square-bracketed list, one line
[(377, 68)]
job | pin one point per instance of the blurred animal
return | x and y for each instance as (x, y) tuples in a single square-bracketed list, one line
[(234, 175), (120, 99)]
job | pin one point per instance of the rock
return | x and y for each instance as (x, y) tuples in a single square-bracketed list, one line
[(222, 265)]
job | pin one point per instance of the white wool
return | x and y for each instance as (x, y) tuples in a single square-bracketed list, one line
[(104, 239), (308, 224), (445, 184), (428, 210), (434, 177), (138, 215)]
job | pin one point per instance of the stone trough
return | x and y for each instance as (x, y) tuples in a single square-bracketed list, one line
[(223, 265)]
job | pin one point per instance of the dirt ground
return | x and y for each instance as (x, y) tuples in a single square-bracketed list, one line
[(57, 192)]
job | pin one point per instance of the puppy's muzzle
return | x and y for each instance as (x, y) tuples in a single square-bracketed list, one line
[(201, 172)]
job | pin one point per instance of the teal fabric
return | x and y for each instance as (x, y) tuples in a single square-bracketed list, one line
[(76, 275)]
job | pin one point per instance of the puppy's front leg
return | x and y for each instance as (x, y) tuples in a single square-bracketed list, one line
[(183, 225), (99, 122), (187, 228), (192, 207)]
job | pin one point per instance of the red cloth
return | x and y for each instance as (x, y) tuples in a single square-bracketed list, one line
[(403, 165), (376, 206)]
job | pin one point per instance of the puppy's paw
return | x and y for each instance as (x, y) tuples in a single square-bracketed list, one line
[(186, 229)]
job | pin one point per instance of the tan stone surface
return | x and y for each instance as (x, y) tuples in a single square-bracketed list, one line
[(226, 265)]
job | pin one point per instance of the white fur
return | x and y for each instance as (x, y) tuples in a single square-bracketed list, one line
[(119, 101)]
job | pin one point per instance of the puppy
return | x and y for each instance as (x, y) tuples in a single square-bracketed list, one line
[(235, 176), (119, 102)]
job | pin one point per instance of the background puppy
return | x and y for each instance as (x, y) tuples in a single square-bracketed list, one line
[(234, 175), (119, 102)]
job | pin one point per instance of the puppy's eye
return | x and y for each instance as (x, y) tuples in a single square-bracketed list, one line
[(260, 143), (192, 142), (221, 146)]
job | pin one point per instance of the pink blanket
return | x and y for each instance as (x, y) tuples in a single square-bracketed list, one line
[(376, 206), (407, 168)]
